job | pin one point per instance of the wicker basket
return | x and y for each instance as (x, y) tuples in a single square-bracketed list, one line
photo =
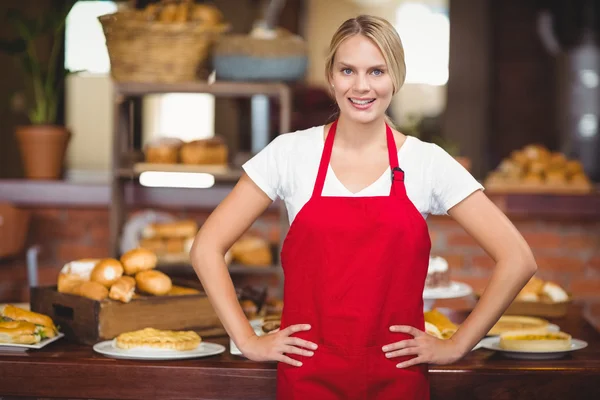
[(153, 51)]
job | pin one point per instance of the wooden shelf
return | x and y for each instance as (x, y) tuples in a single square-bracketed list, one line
[(222, 89)]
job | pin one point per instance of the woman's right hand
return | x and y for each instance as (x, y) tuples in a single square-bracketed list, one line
[(275, 346)]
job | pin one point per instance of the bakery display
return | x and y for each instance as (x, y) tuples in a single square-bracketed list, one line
[(19, 326), (536, 340), (169, 241), (208, 152), (438, 273), (536, 169), (158, 339), (508, 323), (253, 251)]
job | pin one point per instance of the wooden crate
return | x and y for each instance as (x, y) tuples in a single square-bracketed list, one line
[(89, 321)]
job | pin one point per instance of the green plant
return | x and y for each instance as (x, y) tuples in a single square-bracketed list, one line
[(45, 76)]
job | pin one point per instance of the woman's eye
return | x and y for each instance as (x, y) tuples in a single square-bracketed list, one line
[(346, 71), (377, 72)]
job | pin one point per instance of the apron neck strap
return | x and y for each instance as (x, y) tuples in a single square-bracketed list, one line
[(397, 173)]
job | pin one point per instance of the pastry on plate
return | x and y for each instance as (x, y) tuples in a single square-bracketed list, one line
[(43, 324), (535, 341), (446, 327), (159, 339), (508, 323)]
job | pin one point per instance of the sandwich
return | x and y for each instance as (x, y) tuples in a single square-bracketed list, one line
[(43, 325)]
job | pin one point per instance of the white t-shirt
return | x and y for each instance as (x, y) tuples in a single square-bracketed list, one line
[(287, 168)]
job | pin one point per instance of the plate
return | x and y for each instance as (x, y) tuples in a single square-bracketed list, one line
[(493, 343), (257, 326), (204, 349), (41, 344), (454, 290)]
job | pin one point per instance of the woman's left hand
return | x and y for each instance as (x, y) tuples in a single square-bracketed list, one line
[(425, 348)]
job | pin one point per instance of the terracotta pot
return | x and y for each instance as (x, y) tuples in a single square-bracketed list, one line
[(43, 149)]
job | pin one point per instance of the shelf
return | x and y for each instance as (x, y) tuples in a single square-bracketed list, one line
[(183, 266), (220, 172), (223, 89)]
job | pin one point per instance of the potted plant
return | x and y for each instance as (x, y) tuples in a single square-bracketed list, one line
[(43, 142)]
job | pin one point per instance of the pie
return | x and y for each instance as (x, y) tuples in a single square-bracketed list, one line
[(159, 339), (515, 322), (535, 341)]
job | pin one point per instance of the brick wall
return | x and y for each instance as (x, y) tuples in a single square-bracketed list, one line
[(566, 252)]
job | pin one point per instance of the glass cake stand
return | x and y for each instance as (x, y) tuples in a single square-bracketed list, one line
[(453, 291)]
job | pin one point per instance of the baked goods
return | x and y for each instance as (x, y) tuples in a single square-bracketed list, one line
[(212, 151), (271, 324), (252, 251), (123, 289), (274, 307), (74, 273), (433, 330), (153, 282), (508, 323), (107, 272), (250, 309), (159, 339), (137, 260), (182, 291), (91, 290), (44, 326), (537, 340), (163, 151), (438, 273), (176, 229), (535, 168), (446, 327), (180, 12), (538, 290), (18, 332)]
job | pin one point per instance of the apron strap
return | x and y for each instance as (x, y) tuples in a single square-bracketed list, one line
[(397, 174)]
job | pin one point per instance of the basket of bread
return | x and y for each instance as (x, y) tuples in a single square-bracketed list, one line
[(535, 169), (168, 41), (98, 299)]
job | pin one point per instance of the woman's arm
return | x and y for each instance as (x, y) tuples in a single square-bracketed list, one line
[(224, 226), (515, 264)]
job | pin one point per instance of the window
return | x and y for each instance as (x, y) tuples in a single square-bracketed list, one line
[(425, 32)]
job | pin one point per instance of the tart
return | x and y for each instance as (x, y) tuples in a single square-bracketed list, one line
[(159, 339), (536, 340), (514, 322)]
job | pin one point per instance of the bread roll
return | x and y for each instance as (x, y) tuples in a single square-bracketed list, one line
[(556, 177), (91, 290), (252, 250), (163, 151), (153, 282), (156, 245), (107, 271), (66, 282), (123, 289), (137, 260), (82, 268), (555, 292), (250, 309), (176, 229), (574, 167), (211, 151), (207, 14)]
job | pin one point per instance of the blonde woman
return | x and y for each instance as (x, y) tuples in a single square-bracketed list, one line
[(356, 255)]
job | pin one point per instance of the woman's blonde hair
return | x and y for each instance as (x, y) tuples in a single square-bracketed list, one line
[(380, 32)]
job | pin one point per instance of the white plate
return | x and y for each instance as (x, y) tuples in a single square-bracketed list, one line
[(205, 349), (45, 342), (493, 343), (454, 290)]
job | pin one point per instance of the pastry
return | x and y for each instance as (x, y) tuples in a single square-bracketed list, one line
[(513, 322), (66, 282), (556, 177), (153, 282), (163, 151), (271, 324), (91, 290), (556, 293), (156, 245), (535, 341), (19, 332), (438, 273), (182, 291), (557, 161), (274, 307), (175, 229), (433, 330), (123, 289), (107, 271), (211, 151), (253, 251), (159, 339), (446, 327), (137, 260), (574, 167), (45, 325)]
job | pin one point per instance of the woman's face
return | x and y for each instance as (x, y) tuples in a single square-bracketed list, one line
[(361, 82)]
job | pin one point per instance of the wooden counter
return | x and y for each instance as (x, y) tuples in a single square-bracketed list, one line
[(65, 370)]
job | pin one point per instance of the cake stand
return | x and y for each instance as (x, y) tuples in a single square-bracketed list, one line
[(453, 291)]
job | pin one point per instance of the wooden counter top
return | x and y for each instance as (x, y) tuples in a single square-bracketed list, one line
[(66, 370), (77, 194)]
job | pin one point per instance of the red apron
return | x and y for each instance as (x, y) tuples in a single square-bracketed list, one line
[(354, 266)]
